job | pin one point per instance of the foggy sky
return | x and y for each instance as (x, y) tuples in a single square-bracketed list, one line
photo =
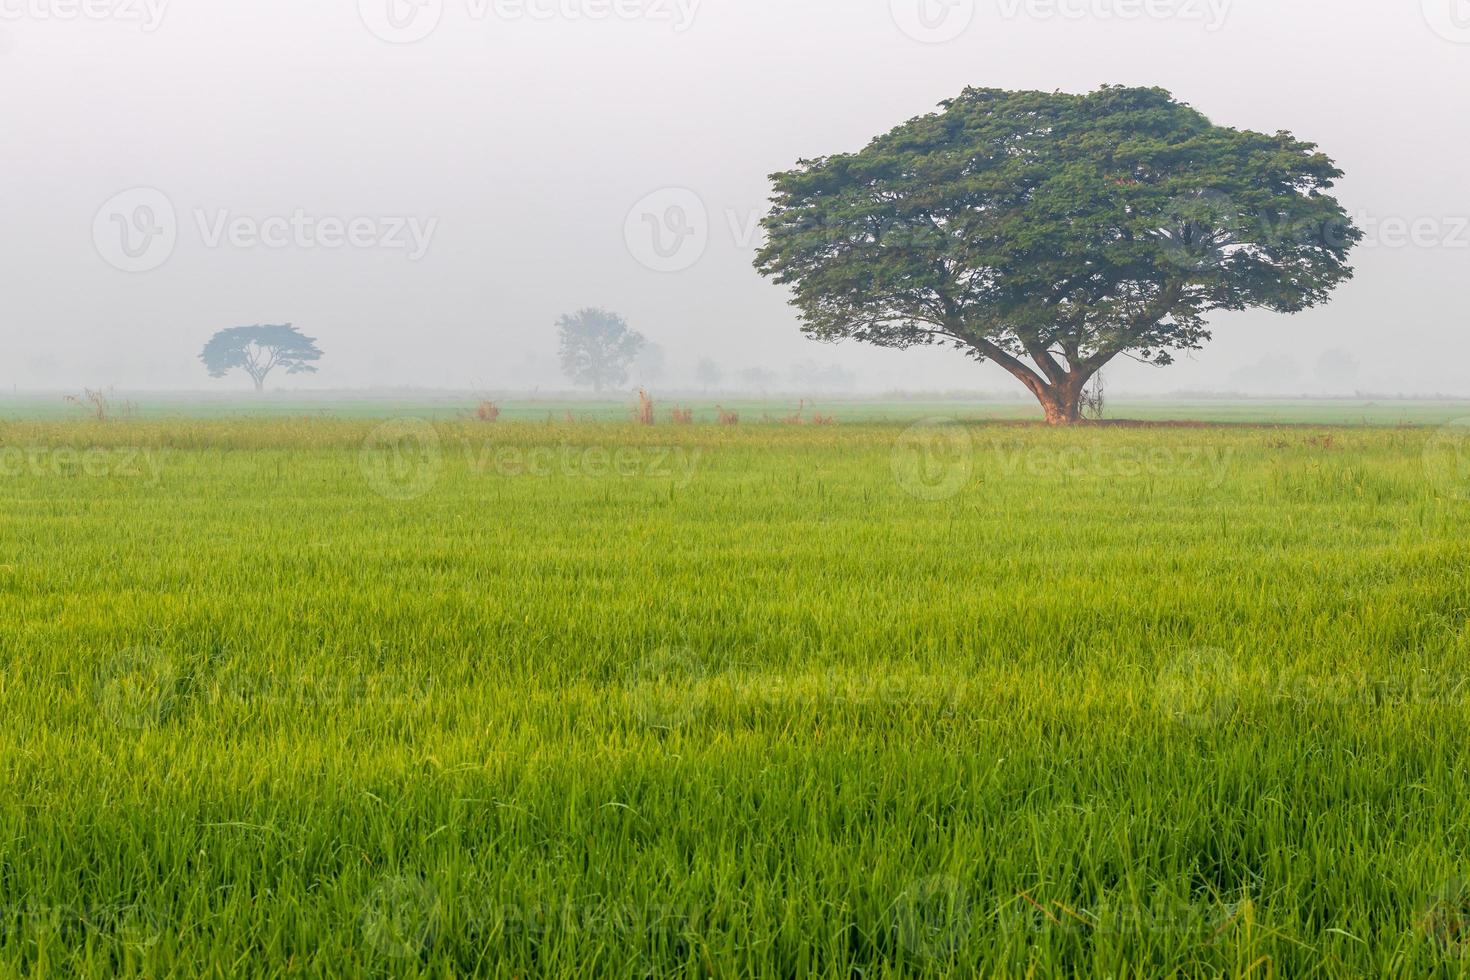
[(519, 144)]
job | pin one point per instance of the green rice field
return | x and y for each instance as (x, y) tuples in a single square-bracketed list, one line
[(347, 696)]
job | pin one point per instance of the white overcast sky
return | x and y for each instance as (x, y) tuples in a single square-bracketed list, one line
[(520, 136)]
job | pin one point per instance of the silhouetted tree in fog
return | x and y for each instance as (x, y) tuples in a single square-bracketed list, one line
[(597, 348), (259, 350)]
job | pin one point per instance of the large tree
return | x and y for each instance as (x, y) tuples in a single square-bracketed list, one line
[(597, 348), (1050, 233), (259, 350)]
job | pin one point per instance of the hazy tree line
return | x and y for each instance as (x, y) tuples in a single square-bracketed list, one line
[(597, 349)]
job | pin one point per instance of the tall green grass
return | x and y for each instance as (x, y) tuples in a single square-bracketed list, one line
[(333, 698)]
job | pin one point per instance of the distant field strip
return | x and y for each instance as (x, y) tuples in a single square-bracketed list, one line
[(851, 409), (539, 699)]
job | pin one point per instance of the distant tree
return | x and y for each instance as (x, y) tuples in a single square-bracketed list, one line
[(597, 348), (810, 374), (1338, 371), (709, 374), (1274, 374), (758, 377), (260, 350), (1050, 233), (650, 363)]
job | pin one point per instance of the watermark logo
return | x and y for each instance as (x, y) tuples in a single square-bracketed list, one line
[(933, 21), (933, 918), (1446, 920), (934, 459), (401, 21), (669, 230), (136, 230), (401, 918), (135, 927), (665, 688), (1450, 19), (1199, 689), (1447, 460), (137, 688), (1199, 226), (402, 458)]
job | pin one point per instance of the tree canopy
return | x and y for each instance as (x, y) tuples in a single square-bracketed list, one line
[(259, 350), (597, 348), (1051, 233)]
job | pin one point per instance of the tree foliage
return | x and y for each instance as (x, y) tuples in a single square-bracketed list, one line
[(259, 350), (597, 348), (1051, 233)]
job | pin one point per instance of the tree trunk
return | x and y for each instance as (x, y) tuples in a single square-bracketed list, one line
[(1058, 388), (259, 384), (1062, 402)]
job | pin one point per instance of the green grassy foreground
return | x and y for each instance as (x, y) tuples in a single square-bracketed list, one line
[(330, 698)]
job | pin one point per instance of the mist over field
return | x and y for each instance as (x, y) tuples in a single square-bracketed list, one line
[(426, 188)]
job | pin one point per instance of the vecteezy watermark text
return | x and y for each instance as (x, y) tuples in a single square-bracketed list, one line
[(403, 459), (1209, 13), (147, 14), (589, 462), (138, 230), (672, 228), (937, 459), (940, 21), (405, 233), (410, 21), (1123, 462), (69, 461)]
